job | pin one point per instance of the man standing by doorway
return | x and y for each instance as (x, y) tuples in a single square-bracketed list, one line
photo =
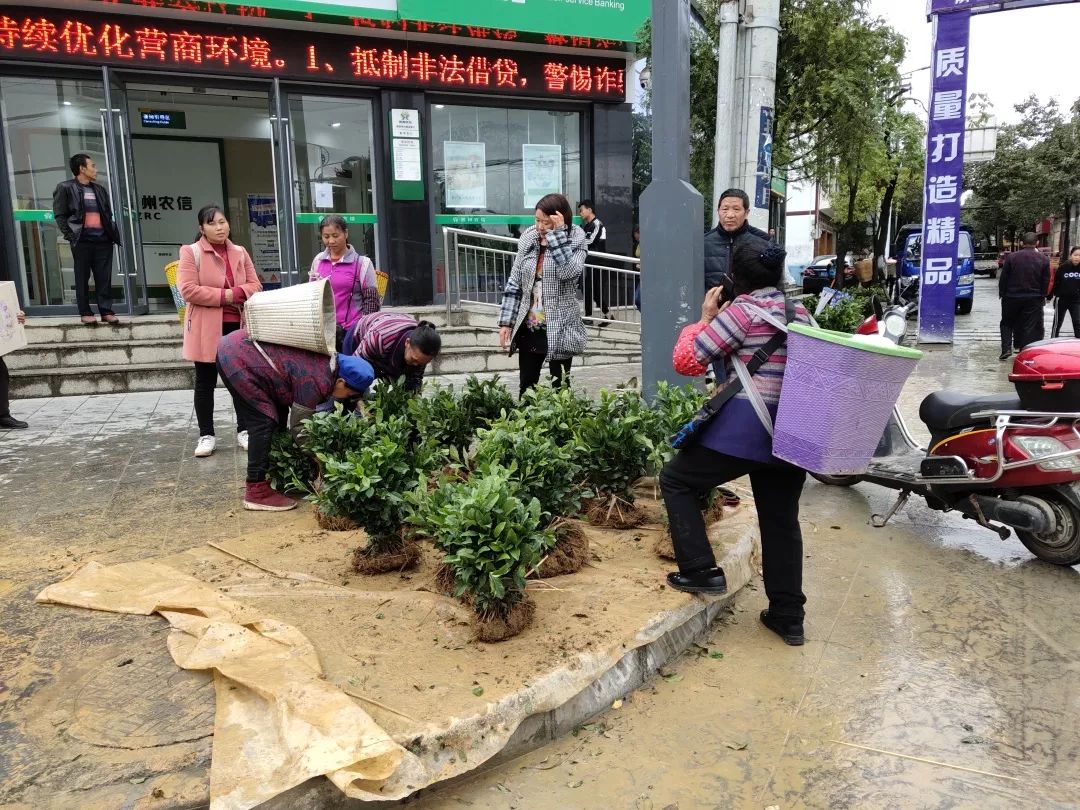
[(1023, 284), (734, 213), (84, 216), (596, 281)]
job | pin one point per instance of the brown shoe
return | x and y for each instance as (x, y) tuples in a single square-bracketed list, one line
[(88, 320), (261, 497)]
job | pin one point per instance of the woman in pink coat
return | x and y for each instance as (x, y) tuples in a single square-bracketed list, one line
[(215, 278)]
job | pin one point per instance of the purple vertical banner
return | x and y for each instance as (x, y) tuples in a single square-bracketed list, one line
[(944, 178)]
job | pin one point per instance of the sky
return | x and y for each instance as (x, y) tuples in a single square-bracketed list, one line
[(1013, 53)]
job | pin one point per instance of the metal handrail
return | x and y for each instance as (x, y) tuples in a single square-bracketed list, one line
[(465, 249)]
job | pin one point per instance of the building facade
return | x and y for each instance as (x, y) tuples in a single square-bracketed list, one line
[(415, 116)]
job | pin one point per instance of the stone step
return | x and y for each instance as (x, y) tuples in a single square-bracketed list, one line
[(112, 353)]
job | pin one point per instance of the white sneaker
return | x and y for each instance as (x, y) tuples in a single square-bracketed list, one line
[(242, 440), (205, 447)]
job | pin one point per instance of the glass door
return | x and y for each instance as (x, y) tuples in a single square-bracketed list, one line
[(331, 151), (131, 268), (46, 122)]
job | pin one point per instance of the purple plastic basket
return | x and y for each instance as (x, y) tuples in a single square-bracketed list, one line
[(836, 401)]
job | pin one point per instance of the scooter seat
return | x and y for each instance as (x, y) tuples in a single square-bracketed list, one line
[(952, 410)]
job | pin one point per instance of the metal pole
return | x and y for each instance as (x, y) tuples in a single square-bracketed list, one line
[(672, 278), (760, 32), (727, 15)]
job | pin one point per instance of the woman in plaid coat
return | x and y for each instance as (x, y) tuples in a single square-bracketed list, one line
[(540, 318)]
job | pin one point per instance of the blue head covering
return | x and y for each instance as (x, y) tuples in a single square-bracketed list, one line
[(356, 372)]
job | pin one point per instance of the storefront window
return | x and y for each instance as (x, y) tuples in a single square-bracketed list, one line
[(46, 121), (332, 157), (492, 164)]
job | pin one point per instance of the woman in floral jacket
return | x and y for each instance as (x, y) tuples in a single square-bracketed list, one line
[(540, 318)]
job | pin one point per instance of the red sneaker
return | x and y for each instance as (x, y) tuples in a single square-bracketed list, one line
[(262, 497)]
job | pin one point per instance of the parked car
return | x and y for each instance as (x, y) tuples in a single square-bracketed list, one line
[(987, 264), (821, 272), (908, 253)]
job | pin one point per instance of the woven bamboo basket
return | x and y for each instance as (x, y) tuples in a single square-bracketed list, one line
[(301, 316)]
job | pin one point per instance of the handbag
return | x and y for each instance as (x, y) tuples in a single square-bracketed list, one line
[(689, 432)]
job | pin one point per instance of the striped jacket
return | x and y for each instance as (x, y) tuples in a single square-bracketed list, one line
[(564, 262), (380, 339), (739, 329)]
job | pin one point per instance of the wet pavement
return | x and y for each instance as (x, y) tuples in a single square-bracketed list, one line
[(939, 669)]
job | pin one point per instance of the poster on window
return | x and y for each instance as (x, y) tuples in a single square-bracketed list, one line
[(541, 171), (12, 333), (263, 219), (466, 174)]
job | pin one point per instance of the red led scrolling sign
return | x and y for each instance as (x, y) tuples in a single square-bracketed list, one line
[(184, 45)]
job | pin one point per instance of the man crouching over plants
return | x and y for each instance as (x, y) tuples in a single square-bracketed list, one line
[(744, 335), (269, 381)]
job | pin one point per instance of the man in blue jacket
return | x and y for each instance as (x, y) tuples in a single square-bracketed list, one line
[(734, 211)]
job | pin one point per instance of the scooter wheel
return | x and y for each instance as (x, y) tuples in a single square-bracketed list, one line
[(836, 480), (1061, 546)]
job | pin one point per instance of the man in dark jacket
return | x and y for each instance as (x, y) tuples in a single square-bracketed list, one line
[(84, 216), (733, 210), (1023, 284), (596, 281)]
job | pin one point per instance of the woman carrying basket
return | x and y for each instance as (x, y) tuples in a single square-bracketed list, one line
[(273, 385), (215, 278), (352, 276), (735, 441)]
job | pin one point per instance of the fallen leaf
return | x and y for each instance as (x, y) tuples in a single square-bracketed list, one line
[(379, 616), (617, 704), (502, 787), (737, 746), (674, 677), (580, 615), (138, 780), (576, 784), (716, 656), (478, 691)]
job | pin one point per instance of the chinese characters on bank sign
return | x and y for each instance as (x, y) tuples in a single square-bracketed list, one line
[(174, 44), (944, 179), (976, 6)]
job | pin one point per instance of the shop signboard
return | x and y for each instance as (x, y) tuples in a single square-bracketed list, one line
[(541, 171), (465, 176), (597, 19), (976, 6), (763, 191), (76, 37)]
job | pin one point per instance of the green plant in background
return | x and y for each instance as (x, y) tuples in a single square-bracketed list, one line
[(492, 537), (291, 468), (368, 485), (486, 400), (442, 420), (390, 398), (544, 469), (555, 411), (848, 313), (672, 407), (615, 443)]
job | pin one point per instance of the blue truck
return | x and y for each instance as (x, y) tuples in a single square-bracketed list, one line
[(907, 250)]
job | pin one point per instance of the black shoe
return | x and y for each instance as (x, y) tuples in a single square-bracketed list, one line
[(1004, 355), (709, 581), (11, 423), (790, 631)]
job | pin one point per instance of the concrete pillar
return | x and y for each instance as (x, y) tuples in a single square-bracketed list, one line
[(724, 155), (672, 277)]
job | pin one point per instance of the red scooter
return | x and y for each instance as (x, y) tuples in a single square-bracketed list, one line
[(1010, 462)]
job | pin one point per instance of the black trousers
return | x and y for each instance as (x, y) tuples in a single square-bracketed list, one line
[(206, 377), (93, 259), (5, 382), (530, 365), (597, 290), (1021, 322), (261, 429), (777, 488), (1061, 308)]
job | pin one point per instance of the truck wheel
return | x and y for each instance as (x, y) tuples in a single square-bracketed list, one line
[(963, 306), (836, 480), (1061, 546)]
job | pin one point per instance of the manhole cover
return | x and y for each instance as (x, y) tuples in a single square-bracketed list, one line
[(143, 701)]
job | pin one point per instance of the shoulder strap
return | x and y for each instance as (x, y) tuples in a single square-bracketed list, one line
[(744, 372), (196, 254)]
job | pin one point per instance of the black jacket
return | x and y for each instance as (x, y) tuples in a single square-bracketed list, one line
[(68, 210), (1025, 274), (1067, 282), (719, 248), (595, 236)]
